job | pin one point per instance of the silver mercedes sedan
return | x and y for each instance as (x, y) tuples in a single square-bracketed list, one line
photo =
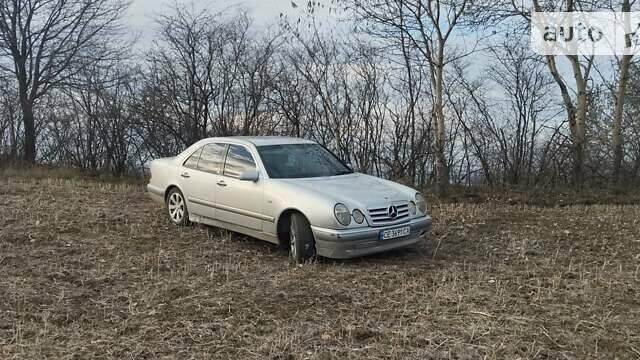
[(288, 191)]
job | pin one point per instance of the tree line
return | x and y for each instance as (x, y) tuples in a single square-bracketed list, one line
[(429, 92)]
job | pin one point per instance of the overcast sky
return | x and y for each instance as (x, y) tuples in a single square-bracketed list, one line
[(265, 13), (142, 11)]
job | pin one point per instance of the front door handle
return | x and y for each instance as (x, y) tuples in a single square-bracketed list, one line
[(221, 183), (185, 175)]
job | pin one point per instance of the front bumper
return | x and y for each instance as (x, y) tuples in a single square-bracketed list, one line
[(349, 243)]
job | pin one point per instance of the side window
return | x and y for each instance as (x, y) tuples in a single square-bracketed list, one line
[(238, 160), (192, 161), (211, 158)]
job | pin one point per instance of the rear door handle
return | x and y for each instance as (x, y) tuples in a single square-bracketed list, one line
[(185, 175), (221, 183)]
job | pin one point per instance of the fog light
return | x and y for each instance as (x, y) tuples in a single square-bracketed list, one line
[(358, 216), (412, 208)]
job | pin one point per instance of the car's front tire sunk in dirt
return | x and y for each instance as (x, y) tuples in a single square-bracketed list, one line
[(176, 207), (302, 245)]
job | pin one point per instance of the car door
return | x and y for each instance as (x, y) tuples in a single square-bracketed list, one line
[(239, 201), (199, 181)]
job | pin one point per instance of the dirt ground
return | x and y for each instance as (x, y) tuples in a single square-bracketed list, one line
[(94, 270)]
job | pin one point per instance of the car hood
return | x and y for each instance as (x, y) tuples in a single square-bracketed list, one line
[(358, 189)]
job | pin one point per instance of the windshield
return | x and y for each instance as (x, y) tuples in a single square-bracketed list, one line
[(300, 161)]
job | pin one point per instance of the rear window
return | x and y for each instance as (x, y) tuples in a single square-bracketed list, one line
[(211, 158), (192, 161)]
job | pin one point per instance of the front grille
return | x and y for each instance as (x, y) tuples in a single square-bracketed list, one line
[(379, 215)]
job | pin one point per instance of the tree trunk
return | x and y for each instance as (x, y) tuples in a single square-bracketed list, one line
[(442, 171), (13, 134), (578, 138), (577, 123), (578, 164), (29, 130), (616, 130), (26, 105)]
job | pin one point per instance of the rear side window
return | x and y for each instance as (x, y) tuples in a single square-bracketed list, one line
[(192, 161), (211, 158), (238, 160)]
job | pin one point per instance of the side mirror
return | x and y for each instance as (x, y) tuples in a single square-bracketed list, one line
[(249, 175)]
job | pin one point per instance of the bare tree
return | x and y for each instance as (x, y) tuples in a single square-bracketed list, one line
[(576, 106), (616, 126), (9, 119), (49, 39), (632, 129), (620, 94), (398, 100), (506, 113), (428, 27)]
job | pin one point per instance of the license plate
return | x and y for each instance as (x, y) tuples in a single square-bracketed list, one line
[(395, 233)]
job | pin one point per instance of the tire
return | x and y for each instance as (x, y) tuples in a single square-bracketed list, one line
[(302, 245), (176, 207)]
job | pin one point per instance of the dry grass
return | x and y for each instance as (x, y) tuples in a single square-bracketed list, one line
[(94, 270)]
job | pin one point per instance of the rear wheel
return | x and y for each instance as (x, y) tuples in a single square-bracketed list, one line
[(177, 207), (302, 245)]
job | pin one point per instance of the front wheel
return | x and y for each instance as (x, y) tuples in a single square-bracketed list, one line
[(302, 245), (177, 208)]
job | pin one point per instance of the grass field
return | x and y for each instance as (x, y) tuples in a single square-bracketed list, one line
[(94, 270)]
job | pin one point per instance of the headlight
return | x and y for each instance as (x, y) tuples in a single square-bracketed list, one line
[(358, 216), (421, 203), (412, 208), (342, 214)]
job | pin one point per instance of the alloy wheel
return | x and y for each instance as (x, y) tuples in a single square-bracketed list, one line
[(176, 207)]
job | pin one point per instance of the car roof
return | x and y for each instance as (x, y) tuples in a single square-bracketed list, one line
[(265, 140)]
